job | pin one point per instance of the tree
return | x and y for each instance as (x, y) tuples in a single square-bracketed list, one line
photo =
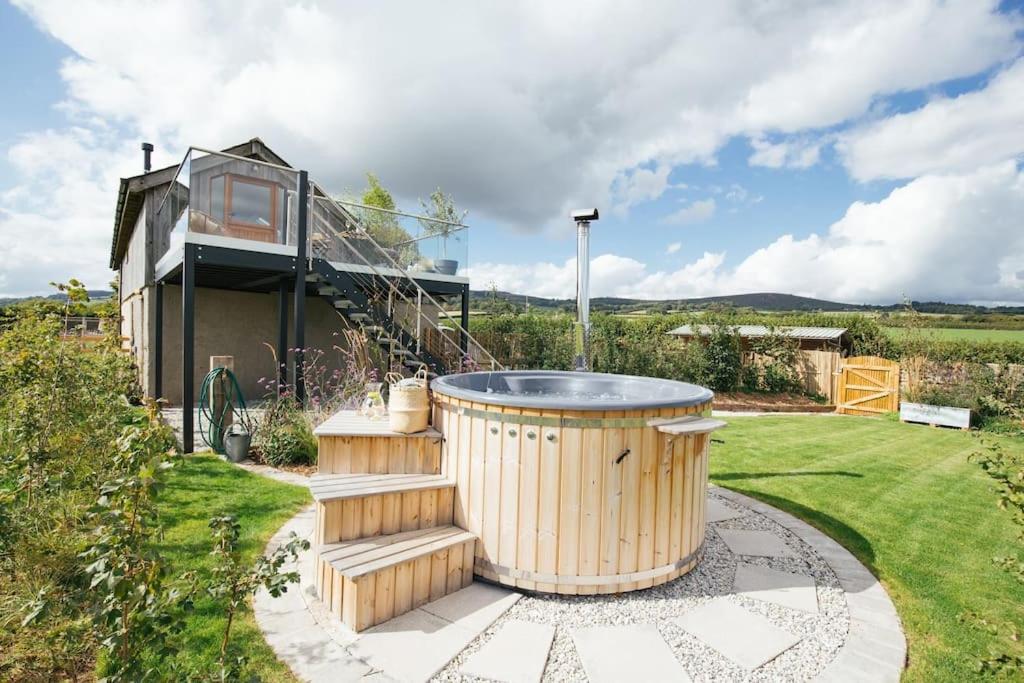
[(383, 227), (377, 195), (444, 217)]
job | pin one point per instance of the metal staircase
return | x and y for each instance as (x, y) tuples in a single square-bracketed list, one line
[(347, 297), (374, 293)]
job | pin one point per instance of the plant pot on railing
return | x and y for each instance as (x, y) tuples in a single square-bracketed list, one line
[(236, 443), (446, 266)]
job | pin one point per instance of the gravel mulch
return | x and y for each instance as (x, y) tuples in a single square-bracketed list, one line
[(821, 635)]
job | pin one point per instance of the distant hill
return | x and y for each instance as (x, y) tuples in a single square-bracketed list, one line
[(763, 302), (94, 295)]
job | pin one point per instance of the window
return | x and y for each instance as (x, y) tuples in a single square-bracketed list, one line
[(251, 203), (247, 208)]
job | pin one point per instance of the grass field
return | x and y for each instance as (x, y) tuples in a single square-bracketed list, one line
[(201, 488), (906, 501), (950, 333)]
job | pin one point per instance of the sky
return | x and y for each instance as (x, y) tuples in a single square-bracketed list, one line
[(849, 150)]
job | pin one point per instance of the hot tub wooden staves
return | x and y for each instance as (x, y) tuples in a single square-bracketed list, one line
[(578, 502)]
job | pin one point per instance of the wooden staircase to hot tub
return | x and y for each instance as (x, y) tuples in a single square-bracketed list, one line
[(385, 542)]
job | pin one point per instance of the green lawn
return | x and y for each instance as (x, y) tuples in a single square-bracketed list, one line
[(955, 334), (200, 488), (906, 501)]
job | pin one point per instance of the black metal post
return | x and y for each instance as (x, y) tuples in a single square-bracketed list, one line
[(300, 288), (463, 337), (188, 341), (158, 341), (282, 335)]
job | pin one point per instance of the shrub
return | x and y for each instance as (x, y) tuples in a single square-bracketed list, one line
[(285, 436), (1006, 469), (136, 608), (63, 409), (233, 581), (773, 367), (724, 358)]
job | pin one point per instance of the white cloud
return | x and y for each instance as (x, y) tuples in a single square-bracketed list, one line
[(673, 248), (507, 106), (947, 134), (58, 221), (737, 194), (639, 185), (798, 153), (948, 237), (696, 211)]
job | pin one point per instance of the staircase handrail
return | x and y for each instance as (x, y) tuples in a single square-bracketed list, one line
[(318, 193)]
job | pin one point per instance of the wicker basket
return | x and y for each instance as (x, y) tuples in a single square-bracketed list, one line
[(408, 403)]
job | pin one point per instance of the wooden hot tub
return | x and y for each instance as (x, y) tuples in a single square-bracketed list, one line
[(577, 483)]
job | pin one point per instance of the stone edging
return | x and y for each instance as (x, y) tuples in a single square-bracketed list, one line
[(875, 648)]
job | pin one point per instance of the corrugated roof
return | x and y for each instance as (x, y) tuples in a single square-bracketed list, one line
[(828, 333)]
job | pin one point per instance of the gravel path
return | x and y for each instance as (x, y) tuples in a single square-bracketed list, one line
[(821, 635)]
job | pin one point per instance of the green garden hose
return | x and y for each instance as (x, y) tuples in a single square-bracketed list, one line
[(234, 402)]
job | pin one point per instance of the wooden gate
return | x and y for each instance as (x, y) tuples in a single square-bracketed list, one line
[(868, 385)]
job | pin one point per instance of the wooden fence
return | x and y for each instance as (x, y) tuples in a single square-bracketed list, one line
[(817, 371)]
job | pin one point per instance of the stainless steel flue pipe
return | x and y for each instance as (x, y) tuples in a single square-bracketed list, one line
[(583, 218)]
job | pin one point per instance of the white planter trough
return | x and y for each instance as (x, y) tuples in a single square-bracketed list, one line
[(935, 415)]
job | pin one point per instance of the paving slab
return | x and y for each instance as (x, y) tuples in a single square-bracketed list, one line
[(796, 591), (743, 637), (416, 645), (719, 512), (516, 654), (475, 607), (612, 654), (310, 653), (755, 542), (411, 647)]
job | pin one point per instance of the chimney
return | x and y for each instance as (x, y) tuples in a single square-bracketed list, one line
[(583, 217), (147, 150)]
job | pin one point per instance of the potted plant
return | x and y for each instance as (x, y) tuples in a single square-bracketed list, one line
[(442, 218)]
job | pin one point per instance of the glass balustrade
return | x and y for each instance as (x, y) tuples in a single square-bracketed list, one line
[(243, 199), (350, 233)]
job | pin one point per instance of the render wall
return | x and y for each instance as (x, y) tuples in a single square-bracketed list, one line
[(241, 324)]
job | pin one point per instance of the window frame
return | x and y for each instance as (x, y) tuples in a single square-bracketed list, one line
[(229, 181)]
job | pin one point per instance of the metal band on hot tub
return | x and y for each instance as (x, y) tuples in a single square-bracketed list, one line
[(599, 580), (551, 421)]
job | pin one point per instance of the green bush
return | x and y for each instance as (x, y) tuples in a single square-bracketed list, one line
[(724, 359), (63, 409), (1006, 469), (284, 435), (958, 350)]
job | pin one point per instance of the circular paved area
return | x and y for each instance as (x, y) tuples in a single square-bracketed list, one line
[(772, 599)]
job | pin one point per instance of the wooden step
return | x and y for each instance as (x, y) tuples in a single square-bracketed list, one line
[(326, 487), (368, 581), (350, 423), (354, 506), (349, 443)]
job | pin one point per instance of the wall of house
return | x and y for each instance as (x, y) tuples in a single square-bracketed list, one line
[(241, 324), (133, 265), (135, 297)]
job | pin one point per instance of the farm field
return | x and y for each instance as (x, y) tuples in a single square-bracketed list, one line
[(908, 503), (958, 334)]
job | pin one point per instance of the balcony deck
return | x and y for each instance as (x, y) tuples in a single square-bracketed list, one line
[(248, 265)]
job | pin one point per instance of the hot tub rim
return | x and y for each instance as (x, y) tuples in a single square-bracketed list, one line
[(701, 396)]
